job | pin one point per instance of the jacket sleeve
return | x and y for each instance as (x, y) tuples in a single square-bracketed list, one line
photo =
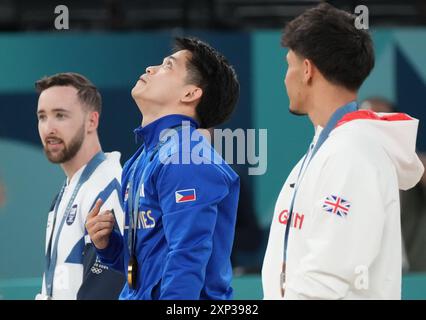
[(112, 256), (100, 282), (341, 248), (48, 234), (188, 225)]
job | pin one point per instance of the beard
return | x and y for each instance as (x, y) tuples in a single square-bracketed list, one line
[(69, 151)]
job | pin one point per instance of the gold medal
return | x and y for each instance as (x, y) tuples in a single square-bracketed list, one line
[(132, 270)]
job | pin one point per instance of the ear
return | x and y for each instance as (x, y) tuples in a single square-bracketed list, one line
[(308, 71), (93, 121), (192, 94)]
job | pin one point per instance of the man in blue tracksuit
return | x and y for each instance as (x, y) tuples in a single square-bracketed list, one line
[(180, 197)]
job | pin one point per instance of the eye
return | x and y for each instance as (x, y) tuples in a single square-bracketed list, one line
[(168, 64), (41, 117), (60, 116)]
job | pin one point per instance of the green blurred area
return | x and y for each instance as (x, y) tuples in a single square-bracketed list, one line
[(247, 287)]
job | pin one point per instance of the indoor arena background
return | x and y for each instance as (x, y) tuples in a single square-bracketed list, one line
[(114, 53)]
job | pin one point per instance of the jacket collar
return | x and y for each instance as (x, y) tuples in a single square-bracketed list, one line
[(150, 134)]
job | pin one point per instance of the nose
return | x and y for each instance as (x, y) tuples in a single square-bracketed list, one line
[(150, 70), (47, 127)]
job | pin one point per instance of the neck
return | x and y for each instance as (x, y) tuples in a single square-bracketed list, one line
[(149, 118), (325, 104), (87, 151), (152, 113)]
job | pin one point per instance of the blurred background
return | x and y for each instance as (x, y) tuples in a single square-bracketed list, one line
[(112, 42)]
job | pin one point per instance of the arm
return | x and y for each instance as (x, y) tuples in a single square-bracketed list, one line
[(339, 247), (105, 228), (99, 281), (188, 226), (112, 255), (49, 230)]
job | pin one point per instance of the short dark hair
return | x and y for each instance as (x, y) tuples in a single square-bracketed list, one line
[(328, 37), (211, 71), (87, 92)]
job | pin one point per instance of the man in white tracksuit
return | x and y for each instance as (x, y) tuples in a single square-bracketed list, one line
[(68, 111), (341, 200)]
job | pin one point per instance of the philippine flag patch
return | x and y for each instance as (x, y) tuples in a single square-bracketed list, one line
[(185, 195), (336, 205)]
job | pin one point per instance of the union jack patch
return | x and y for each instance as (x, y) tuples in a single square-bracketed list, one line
[(336, 205)]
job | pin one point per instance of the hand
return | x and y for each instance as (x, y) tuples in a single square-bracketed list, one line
[(99, 226)]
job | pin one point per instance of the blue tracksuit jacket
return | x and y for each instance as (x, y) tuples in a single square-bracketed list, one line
[(185, 218)]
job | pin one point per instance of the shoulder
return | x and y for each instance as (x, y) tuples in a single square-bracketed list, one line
[(109, 169), (193, 153), (356, 145), (354, 152), (103, 183), (107, 173)]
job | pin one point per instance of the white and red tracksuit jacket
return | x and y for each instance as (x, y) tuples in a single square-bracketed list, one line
[(345, 237)]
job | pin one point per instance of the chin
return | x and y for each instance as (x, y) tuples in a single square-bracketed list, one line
[(296, 111), (134, 92), (54, 157)]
